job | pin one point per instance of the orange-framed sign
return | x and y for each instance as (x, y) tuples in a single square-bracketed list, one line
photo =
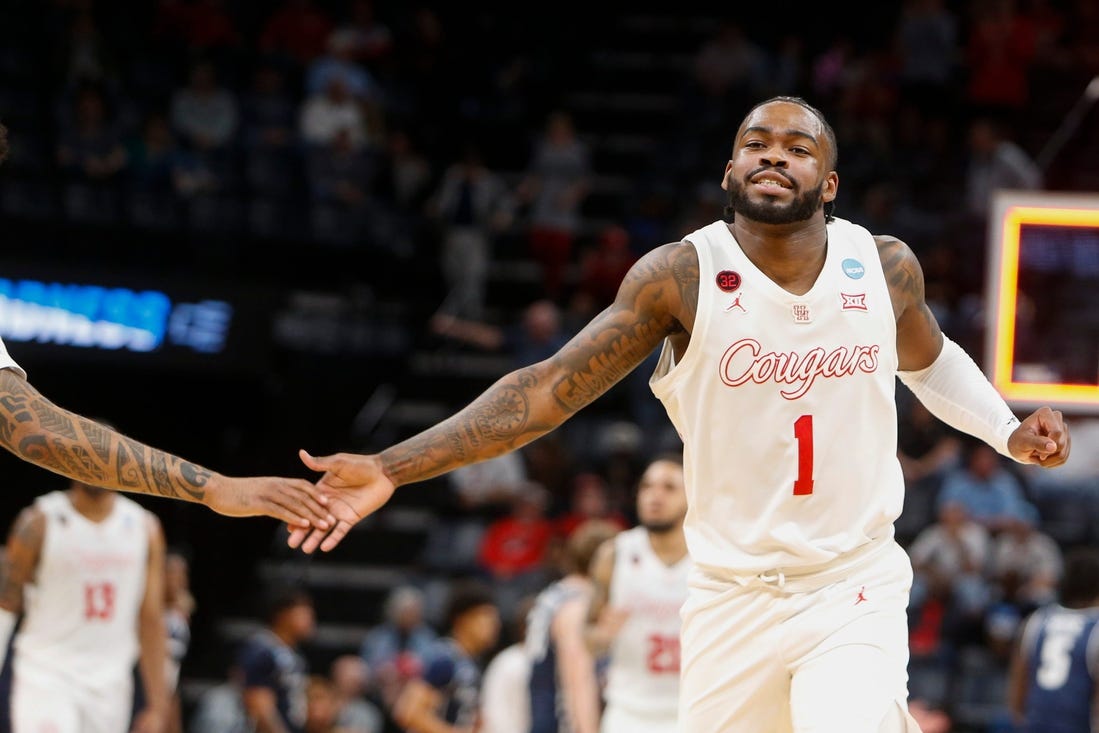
[(1042, 296)]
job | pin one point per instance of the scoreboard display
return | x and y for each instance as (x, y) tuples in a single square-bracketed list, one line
[(1042, 296)]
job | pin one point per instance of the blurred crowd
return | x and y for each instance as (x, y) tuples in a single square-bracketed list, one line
[(406, 132)]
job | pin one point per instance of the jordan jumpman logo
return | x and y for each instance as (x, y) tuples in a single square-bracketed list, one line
[(861, 597), (736, 304)]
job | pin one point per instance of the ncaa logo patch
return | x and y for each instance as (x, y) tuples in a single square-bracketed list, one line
[(853, 269), (728, 280)]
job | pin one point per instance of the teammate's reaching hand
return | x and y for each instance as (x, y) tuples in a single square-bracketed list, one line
[(294, 501), (354, 486), (1042, 438)]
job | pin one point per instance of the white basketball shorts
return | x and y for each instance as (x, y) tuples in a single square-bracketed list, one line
[(820, 653), (43, 703), (616, 720)]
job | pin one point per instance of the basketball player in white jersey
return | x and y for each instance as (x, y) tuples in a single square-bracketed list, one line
[(795, 617), (86, 570), (640, 580)]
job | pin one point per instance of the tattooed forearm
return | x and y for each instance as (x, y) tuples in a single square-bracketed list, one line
[(651, 305), (38, 431)]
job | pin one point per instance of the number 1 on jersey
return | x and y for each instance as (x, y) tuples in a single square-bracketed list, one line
[(803, 433)]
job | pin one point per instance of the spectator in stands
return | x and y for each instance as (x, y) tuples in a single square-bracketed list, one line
[(926, 448), (1026, 563), (505, 690), (991, 495), (538, 336), (209, 26), (268, 112), (604, 266), (1000, 51), (203, 113), (90, 149), (556, 184), (373, 41), (298, 31), (350, 680), (927, 42), (86, 54), (449, 693), (949, 560), (995, 163), (220, 709), (340, 173), (514, 547), (325, 114), (153, 157), (405, 176), (339, 60), (472, 204), (589, 500), (495, 481), (275, 672), (727, 67), (394, 650), (321, 706)]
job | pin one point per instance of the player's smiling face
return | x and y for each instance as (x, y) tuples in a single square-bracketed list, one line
[(780, 172)]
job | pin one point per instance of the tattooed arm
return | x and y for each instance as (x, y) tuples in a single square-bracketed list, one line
[(38, 431), (919, 339), (657, 299)]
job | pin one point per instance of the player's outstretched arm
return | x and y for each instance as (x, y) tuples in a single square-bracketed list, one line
[(604, 621), (49, 436), (947, 380), (657, 299), (17, 569)]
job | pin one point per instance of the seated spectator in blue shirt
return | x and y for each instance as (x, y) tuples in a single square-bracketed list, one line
[(448, 695), (395, 650), (275, 673), (991, 495)]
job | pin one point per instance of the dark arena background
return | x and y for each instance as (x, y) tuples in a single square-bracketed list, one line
[(235, 229)]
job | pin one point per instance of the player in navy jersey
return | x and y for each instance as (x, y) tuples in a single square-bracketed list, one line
[(1056, 664), (447, 698), (564, 692), (275, 673)]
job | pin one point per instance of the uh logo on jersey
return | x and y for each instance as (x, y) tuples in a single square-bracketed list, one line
[(746, 361)]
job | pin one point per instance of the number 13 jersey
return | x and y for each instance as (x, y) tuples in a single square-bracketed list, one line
[(80, 623), (785, 404)]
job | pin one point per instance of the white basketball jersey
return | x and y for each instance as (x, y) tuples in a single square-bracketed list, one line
[(785, 404), (81, 614), (643, 676)]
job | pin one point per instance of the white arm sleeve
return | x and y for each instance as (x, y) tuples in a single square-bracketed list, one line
[(7, 626), (955, 390)]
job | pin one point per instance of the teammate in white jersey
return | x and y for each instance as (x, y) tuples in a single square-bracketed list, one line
[(86, 570), (640, 580), (783, 331)]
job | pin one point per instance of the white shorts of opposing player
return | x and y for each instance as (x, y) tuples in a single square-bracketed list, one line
[(825, 651)]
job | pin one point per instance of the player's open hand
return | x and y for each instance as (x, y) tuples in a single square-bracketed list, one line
[(1042, 438), (354, 485), (294, 501)]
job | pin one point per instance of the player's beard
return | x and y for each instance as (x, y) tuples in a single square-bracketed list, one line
[(769, 211), (662, 527)]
